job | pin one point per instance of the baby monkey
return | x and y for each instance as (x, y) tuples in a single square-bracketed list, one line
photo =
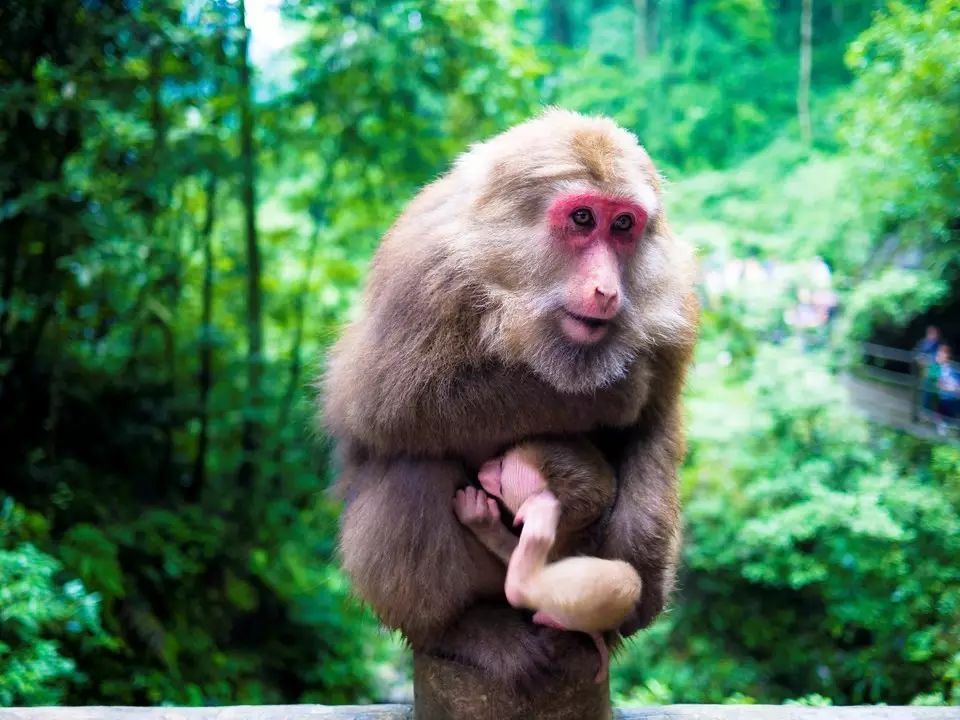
[(585, 594)]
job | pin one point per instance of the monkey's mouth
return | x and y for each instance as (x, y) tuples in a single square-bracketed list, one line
[(583, 329)]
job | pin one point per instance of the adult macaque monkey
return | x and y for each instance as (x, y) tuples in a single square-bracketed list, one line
[(534, 291)]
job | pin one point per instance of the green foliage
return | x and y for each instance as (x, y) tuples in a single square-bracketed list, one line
[(717, 81), (816, 549), (372, 75), (908, 60), (909, 159), (39, 613), (125, 322), (891, 299), (782, 203)]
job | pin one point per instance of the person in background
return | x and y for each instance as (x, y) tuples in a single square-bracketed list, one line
[(928, 346), (925, 358), (948, 382)]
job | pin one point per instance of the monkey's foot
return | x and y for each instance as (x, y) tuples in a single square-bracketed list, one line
[(542, 618), (505, 647)]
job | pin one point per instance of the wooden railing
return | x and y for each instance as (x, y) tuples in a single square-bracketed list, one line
[(890, 364), (901, 369), (405, 712)]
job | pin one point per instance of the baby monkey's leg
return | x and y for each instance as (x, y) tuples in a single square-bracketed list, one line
[(573, 594), (583, 593), (586, 594)]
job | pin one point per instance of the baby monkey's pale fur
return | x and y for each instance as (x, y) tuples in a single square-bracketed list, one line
[(586, 594)]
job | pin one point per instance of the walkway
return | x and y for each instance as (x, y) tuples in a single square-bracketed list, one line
[(884, 389)]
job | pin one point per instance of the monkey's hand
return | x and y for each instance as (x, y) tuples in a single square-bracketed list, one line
[(481, 514), (475, 509), (539, 514)]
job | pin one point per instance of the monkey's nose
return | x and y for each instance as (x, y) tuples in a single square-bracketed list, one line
[(606, 298)]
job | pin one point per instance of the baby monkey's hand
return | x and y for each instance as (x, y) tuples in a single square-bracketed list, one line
[(479, 513), (475, 509)]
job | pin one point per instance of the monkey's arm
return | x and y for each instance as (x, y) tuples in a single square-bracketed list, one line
[(644, 527), (421, 571), (406, 553)]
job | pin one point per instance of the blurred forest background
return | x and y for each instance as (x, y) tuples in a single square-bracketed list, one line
[(186, 215)]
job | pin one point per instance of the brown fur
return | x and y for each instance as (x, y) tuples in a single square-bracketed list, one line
[(454, 358)]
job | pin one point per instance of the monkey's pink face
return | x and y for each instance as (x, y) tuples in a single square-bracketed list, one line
[(598, 234)]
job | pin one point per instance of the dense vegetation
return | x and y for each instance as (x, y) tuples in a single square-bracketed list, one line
[(183, 231)]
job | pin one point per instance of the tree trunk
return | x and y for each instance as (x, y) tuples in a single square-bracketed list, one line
[(803, 84), (296, 344), (652, 22), (154, 206), (666, 18), (640, 28), (294, 379), (250, 440), (205, 377), (11, 254), (447, 690)]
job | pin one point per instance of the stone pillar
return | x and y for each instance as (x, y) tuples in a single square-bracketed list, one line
[(446, 690)]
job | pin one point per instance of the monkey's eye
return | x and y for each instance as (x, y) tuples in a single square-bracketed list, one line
[(582, 217), (623, 223)]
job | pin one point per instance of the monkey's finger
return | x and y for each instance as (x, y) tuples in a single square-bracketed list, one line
[(480, 503), (493, 508), (458, 505), (463, 507)]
